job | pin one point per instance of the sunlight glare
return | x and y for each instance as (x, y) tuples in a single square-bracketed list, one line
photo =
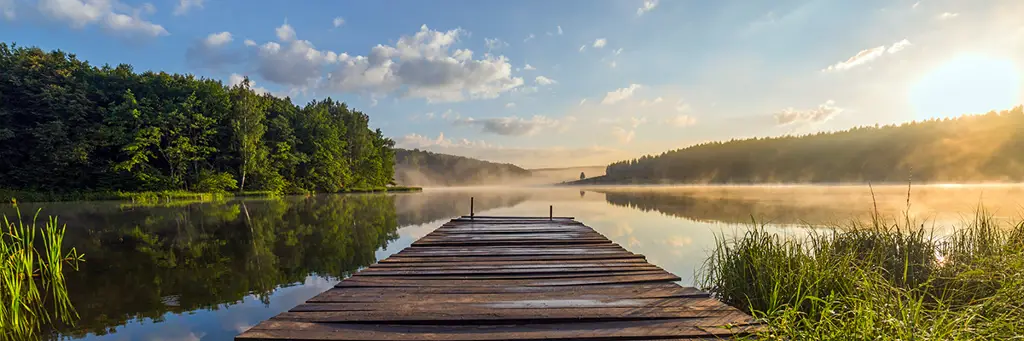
[(967, 84)]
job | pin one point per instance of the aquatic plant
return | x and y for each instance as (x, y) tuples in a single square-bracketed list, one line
[(876, 281), (32, 286)]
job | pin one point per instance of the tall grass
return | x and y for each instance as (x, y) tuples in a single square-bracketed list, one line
[(876, 281), (32, 287)]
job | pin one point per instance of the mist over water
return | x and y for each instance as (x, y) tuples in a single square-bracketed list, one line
[(210, 270)]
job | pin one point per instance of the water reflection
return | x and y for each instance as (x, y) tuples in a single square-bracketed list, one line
[(206, 271)]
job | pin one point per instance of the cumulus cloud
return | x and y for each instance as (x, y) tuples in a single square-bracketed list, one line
[(80, 13), (185, 5), (541, 80), (338, 21), (293, 61), (898, 46), (647, 7), (559, 29), (212, 52), (616, 96), (510, 126), (867, 56), (948, 15), (600, 42), (529, 67), (423, 66), (822, 113)]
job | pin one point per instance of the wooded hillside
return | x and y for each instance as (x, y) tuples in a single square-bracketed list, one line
[(66, 126), (970, 148), (423, 168)]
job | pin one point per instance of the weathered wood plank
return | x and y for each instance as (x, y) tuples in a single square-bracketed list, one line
[(502, 278)]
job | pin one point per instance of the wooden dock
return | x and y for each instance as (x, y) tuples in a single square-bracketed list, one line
[(509, 278)]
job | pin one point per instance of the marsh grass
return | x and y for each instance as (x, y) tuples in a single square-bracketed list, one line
[(32, 286), (876, 281)]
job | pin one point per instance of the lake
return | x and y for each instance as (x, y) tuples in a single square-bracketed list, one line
[(207, 271)]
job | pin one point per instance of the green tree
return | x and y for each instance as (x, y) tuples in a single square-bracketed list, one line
[(248, 128)]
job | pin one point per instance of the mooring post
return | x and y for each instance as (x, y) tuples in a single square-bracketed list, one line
[(471, 208), (551, 212)]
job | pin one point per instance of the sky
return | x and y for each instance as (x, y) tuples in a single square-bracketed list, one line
[(569, 82)]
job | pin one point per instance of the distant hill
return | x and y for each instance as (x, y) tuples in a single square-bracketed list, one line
[(970, 148), (422, 168)]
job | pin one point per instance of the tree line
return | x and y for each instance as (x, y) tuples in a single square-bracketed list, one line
[(66, 125), (969, 148)]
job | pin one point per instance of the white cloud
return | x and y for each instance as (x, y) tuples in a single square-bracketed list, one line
[(647, 7), (494, 43), (185, 5), (211, 52), (559, 29), (422, 66), (297, 62), (80, 13), (217, 39), (285, 32), (133, 26), (948, 15), (529, 37), (915, 5), (867, 56), (600, 42), (541, 80), (624, 136), (822, 113), (682, 121), (582, 101), (616, 96), (613, 64), (899, 46), (510, 126), (529, 67), (338, 21), (861, 58), (250, 42), (583, 47), (510, 105), (429, 115), (618, 51)]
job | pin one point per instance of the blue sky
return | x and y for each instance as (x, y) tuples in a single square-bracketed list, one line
[(606, 80)]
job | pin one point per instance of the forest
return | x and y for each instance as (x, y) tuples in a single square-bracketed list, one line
[(969, 148), (68, 126), (423, 168)]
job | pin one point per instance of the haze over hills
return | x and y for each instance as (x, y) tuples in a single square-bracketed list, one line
[(970, 148), (423, 168)]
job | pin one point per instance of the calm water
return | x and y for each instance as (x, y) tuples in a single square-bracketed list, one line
[(209, 271)]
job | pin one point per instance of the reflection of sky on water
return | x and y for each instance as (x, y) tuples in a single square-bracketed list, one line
[(675, 235)]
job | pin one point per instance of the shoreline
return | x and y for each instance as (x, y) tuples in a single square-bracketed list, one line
[(165, 196)]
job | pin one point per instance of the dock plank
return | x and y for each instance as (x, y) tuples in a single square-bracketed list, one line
[(509, 278)]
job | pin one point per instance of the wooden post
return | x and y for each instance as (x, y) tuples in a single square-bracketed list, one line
[(551, 212), (471, 208)]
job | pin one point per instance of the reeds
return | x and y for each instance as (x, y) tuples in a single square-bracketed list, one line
[(32, 286), (876, 281)]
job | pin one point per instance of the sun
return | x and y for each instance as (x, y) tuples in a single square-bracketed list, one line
[(967, 84)]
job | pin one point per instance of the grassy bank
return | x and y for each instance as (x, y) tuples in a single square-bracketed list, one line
[(876, 281), (32, 263), (152, 197)]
